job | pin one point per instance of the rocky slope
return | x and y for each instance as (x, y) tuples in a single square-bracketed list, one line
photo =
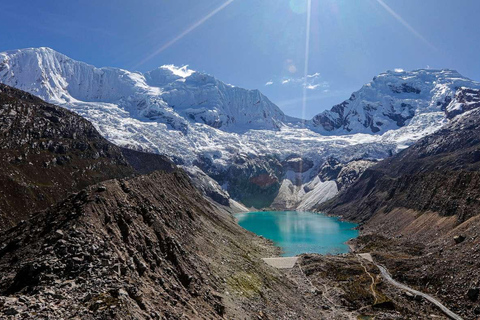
[(149, 247), (143, 247), (152, 247), (439, 173), (46, 153), (419, 212), (197, 120)]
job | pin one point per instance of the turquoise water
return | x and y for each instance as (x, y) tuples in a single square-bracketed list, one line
[(300, 232)]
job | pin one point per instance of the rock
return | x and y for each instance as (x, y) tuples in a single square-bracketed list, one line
[(77, 259), (122, 294), (473, 293), (10, 311), (315, 291), (459, 239), (101, 189), (386, 305), (476, 310)]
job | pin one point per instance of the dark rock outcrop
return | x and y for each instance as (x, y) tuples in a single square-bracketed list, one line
[(254, 181), (145, 163)]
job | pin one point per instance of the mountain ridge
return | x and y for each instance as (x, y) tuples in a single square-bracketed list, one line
[(198, 121)]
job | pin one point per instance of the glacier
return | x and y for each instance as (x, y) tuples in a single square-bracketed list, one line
[(239, 137)]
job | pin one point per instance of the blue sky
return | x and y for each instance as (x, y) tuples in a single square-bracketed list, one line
[(257, 44)]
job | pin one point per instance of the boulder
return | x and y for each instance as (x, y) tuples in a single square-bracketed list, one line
[(459, 239), (473, 293)]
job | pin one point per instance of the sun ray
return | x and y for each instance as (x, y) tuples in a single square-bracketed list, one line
[(184, 33), (307, 58), (406, 24), (305, 71)]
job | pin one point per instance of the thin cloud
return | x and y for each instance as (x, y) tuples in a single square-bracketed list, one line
[(312, 86), (269, 83), (309, 82)]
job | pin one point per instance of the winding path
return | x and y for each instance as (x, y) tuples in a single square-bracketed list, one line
[(399, 285)]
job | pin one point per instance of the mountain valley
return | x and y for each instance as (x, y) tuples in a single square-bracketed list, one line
[(118, 189)]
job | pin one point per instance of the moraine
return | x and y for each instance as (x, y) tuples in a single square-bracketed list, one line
[(298, 232)]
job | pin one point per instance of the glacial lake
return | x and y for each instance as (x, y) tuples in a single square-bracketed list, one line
[(299, 232)]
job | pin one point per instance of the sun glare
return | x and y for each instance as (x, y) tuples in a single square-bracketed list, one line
[(405, 24), (307, 56), (184, 33)]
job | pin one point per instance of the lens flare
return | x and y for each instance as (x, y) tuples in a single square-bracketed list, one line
[(184, 33), (305, 73), (307, 58), (405, 24)]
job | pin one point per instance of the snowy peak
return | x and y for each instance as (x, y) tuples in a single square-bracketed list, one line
[(173, 95), (391, 100), (167, 74), (57, 78)]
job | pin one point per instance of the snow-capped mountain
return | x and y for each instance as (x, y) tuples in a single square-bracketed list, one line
[(237, 136), (168, 93), (391, 100)]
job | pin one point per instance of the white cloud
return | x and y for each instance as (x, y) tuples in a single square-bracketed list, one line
[(310, 82), (399, 70), (322, 85)]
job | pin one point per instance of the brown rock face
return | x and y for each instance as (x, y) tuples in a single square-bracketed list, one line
[(47, 152)]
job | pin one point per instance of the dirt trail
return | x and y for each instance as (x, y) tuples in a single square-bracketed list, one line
[(388, 277), (372, 286)]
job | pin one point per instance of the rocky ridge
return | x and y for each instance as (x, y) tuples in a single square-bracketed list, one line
[(418, 211)]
